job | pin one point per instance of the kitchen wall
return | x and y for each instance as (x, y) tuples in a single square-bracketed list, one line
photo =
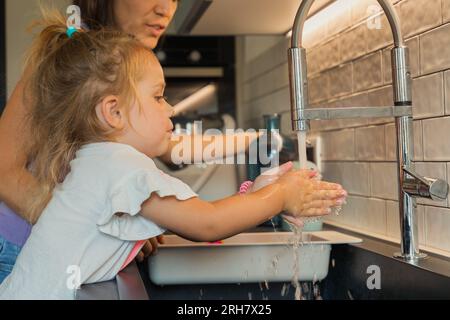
[(19, 15), (349, 65)]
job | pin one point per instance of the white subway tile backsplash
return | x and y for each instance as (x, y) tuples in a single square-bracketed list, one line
[(435, 50), (421, 223), (381, 96), (347, 215), (339, 145), (370, 214), (353, 176), (428, 96), (415, 18), (446, 10), (367, 72), (353, 43), (277, 102), (271, 58), (319, 87), (391, 142), (383, 180), (313, 60), (362, 9), (344, 21), (447, 92), (331, 53), (341, 80), (370, 143), (418, 140), (435, 137), (437, 221), (379, 33), (393, 221), (435, 170), (267, 83)]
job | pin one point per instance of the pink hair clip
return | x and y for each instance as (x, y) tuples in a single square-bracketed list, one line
[(245, 186)]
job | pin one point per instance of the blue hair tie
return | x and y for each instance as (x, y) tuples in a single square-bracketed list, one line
[(70, 31)]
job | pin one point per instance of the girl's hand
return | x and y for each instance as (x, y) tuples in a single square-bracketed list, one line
[(149, 248), (270, 177), (305, 196)]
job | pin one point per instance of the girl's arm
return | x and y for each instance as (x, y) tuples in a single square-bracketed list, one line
[(198, 143), (203, 221), (17, 184), (197, 220)]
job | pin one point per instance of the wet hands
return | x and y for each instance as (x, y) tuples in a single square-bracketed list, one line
[(306, 196)]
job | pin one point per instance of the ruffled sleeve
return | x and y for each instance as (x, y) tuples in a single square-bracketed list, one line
[(126, 198)]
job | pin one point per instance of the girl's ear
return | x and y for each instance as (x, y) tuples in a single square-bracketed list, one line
[(110, 114)]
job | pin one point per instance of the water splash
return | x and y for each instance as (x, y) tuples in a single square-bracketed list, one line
[(296, 243), (316, 291), (275, 261), (283, 290)]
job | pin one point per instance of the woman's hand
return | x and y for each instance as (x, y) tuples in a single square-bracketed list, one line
[(305, 196), (150, 248), (270, 177)]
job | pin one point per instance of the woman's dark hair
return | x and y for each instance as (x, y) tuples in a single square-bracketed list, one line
[(96, 14)]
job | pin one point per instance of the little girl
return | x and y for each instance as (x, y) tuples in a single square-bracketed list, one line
[(98, 118)]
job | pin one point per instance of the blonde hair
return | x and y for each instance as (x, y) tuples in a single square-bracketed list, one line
[(68, 78)]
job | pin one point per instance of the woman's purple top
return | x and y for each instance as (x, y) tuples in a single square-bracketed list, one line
[(12, 227)]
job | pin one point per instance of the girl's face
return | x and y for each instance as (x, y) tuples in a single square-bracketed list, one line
[(147, 20), (150, 127)]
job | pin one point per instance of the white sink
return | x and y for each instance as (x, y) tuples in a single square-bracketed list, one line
[(244, 258)]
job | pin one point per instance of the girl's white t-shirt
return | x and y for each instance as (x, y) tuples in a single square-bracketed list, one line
[(80, 237)]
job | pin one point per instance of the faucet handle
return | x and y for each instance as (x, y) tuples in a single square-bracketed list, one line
[(424, 187)]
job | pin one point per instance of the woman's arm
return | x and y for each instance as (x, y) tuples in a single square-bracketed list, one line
[(18, 185), (231, 144), (203, 221)]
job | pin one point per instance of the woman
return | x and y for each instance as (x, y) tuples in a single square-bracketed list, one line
[(147, 20)]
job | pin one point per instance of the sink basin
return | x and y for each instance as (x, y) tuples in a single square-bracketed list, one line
[(245, 258)]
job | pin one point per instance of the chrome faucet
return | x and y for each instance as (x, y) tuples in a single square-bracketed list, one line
[(411, 184)]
